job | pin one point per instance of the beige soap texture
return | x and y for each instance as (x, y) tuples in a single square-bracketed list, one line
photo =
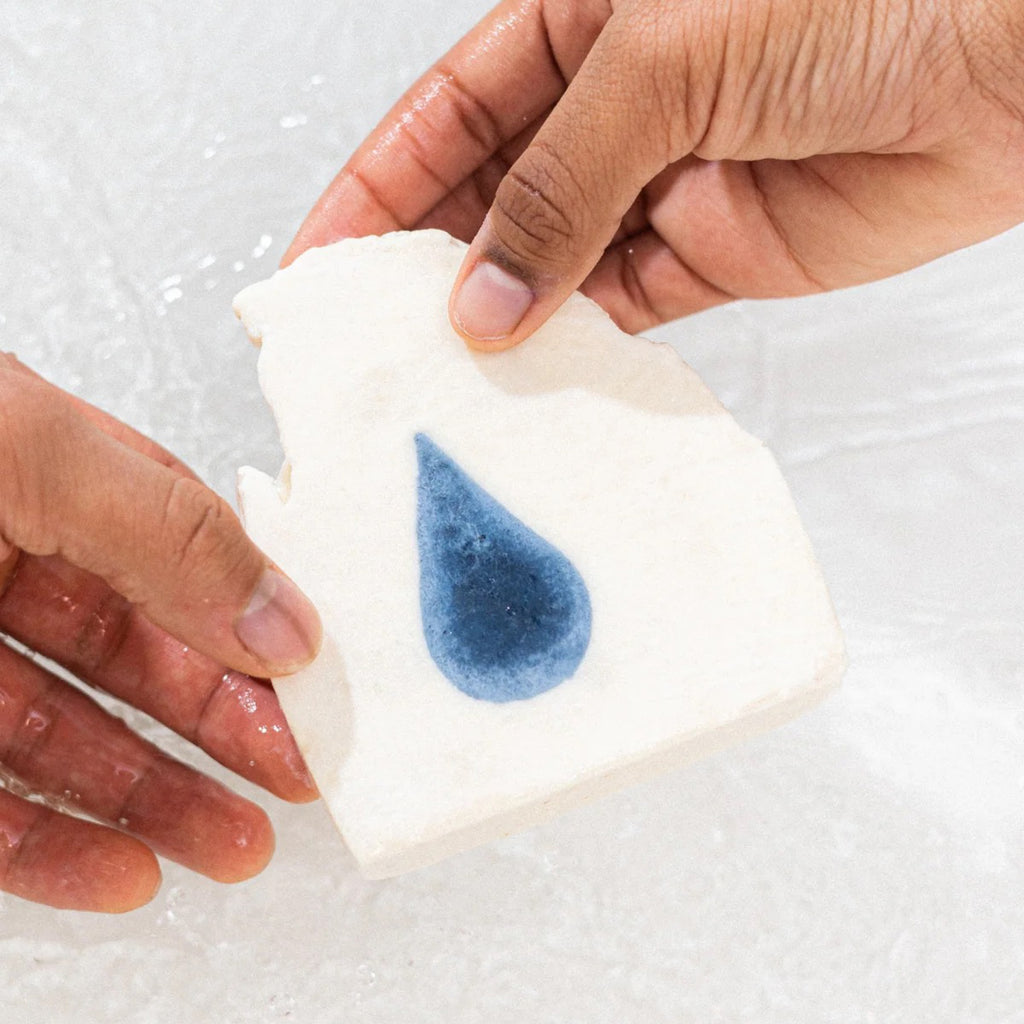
[(543, 573)]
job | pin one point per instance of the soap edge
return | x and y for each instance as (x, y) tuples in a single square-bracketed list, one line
[(672, 755)]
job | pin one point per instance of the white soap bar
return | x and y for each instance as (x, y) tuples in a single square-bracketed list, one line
[(542, 574)]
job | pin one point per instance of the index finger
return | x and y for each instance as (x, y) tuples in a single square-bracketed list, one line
[(498, 79)]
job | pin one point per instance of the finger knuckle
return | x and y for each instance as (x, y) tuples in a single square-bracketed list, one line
[(539, 210), (201, 533), (210, 713), (132, 799), (25, 750), (476, 117), (192, 517), (99, 638)]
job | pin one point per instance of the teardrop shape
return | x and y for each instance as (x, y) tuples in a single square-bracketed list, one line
[(505, 614)]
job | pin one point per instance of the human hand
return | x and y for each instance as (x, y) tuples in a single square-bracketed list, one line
[(120, 566), (670, 155)]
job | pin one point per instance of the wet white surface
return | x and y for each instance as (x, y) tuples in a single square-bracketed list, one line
[(863, 864)]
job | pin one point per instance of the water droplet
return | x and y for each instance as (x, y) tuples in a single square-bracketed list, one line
[(247, 701), (505, 614), (35, 720)]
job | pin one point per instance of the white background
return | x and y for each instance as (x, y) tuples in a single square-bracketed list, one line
[(864, 864)]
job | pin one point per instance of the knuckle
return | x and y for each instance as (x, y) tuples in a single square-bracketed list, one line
[(131, 801), (100, 637), (539, 209), (202, 535), (27, 743), (203, 727), (192, 516), (475, 117)]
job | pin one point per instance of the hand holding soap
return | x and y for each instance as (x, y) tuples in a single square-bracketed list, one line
[(543, 573)]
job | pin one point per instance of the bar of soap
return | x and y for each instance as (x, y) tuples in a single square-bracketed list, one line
[(543, 573)]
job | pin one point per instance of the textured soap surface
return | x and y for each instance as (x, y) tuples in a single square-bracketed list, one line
[(542, 573), (506, 616)]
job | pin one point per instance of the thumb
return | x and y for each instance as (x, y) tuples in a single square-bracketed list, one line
[(153, 532), (562, 201)]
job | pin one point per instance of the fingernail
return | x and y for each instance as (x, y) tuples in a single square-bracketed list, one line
[(279, 625), (490, 303)]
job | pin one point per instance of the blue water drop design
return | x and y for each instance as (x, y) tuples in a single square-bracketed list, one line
[(505, 614)]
